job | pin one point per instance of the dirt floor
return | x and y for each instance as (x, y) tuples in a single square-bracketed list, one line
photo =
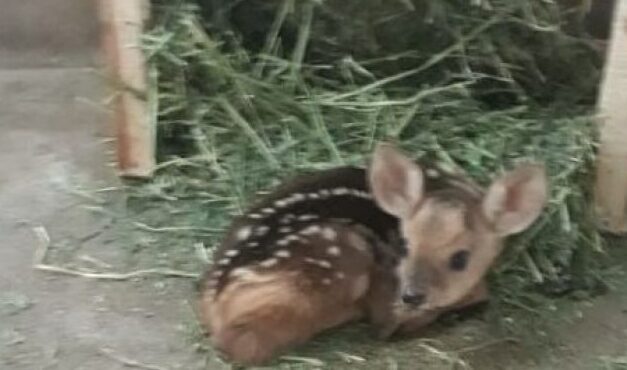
[(55, 182)]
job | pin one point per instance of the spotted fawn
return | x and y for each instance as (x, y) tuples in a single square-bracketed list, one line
[(397, 243)]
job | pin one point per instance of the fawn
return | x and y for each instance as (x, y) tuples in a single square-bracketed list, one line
[(397, 243)]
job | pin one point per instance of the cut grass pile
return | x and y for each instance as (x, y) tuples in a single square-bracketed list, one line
[(239, 109)]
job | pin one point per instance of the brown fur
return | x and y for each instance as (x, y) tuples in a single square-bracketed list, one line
[(434, 234), (254, 322), (261, 313)]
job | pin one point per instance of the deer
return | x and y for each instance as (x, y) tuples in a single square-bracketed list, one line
[(397, 243)]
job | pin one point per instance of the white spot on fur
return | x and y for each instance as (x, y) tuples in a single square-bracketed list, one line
[(340, 191), (281, 203), (283, 242), (334, 251), (243, 233), (253, 244), (268, 211), (293, 238), (241, 272), (224, 261), (298, 197), (329, 234), (313, 196), (324, 193), (269, 262), (307, 217), (311, 230), (255, 216), (324, 264), (287, 218), (231, 253), (217, 273), (326, 281), (340, 275), (285, 229), (320, 263), (261, 230), (282, 253), (355, 192)]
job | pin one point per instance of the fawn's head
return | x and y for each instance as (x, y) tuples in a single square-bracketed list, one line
[(452, 234)]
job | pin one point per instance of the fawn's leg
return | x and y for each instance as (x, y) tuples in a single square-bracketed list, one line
[(380, 302), (252, 323)]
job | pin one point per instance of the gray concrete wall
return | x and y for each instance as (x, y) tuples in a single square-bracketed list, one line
[(48, 33)]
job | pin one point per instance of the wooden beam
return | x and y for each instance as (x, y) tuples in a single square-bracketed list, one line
[(123, 23), (611, 185)]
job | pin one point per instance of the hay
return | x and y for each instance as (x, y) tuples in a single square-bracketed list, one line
[(244, 104)]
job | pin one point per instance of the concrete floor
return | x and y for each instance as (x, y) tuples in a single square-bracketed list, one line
[(53, 124)]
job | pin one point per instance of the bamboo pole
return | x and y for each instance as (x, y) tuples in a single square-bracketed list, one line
[(611, 185), (123, 22)]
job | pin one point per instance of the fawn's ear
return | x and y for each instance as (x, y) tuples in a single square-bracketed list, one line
[(514, 201), (396, 181)]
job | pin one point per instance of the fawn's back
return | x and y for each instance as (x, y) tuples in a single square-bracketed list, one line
[(296, 263)]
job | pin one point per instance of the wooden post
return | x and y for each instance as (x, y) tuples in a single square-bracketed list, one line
[(123, 22), (611, 186)]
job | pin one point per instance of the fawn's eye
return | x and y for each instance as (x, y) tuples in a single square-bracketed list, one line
[(459, 260)]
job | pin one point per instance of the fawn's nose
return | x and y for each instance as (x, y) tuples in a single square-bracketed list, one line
[(414, 299)]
